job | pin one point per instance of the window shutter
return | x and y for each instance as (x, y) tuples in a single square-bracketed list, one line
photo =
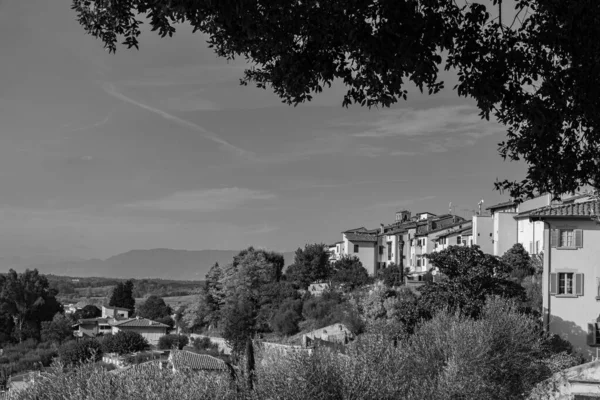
[(553, 283), (553, 237), (591, 334), (578, 238), (530, 247), (579, 284)]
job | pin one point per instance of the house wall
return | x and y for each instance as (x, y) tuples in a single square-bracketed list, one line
[(532, 204), (528, 233), (366, 253), (152, 334), (89, 329), (505, 232), (569, 316), (483, 228)]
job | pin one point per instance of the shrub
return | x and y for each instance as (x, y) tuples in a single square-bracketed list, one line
[(203, 343), (124, 342), (286, 322), (167, 342), (77, 352)]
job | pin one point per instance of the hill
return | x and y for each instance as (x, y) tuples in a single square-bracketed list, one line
[(153, 263)]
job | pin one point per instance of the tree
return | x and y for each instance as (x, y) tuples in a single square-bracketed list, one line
[(29, 300), (349, 273), (154, 308), (124, 342), (519, 262), (469, 276), (391, 275), (538, 75), (80, 351), (286, 319), (122, 296), (89, 311), (168, 342), (310, 265), (238, 323), (198, 313), (58, 330)]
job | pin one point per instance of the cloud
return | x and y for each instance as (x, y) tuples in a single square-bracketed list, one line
[(209, 200), (262, 229), (404, 153), (401, 203), (110, 89), (461, 119)]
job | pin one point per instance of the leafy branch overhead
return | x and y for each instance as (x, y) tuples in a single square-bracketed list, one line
[(539, 77)]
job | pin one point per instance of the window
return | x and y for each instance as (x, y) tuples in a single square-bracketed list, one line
[(593, 337), (458, 239), (537, 247), (380, 250), (389, 249), (418, 261), (567, 238), (356, 248), (566, 283)]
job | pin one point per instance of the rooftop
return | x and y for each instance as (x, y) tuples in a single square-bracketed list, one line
[(502, 205), (116, 308), (585, 209), (361, 237), (187, 359), (139, 322)]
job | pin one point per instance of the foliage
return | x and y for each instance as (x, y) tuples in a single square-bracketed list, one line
[(518, 259), (58, 330), (26, 356), (533, 292), (286, 322), (28, 299), (391, 275), (89, 311), (311, 264), (349, 273), (469, 277), (239, 323), (94, 382), (154, 308), (122, 296), (168, 342), (203, 343), (124, 342), (80, 351), (540, 75)]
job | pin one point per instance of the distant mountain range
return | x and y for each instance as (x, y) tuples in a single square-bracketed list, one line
[(154, 263)]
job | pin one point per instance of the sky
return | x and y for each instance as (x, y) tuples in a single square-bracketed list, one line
[(162, 148)]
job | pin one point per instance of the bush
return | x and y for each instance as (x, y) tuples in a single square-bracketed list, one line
[(203, 343), (124, 342), (77, 352), (286, 322), (168, 342)]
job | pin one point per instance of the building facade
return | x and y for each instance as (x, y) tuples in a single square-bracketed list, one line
[(571, 288)]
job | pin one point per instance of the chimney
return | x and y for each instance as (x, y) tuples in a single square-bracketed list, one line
[(381, 229)]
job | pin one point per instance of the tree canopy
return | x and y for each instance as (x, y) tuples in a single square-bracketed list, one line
[(28, 299), (154, 308), (122, 296), (538, 74), (310, 264)]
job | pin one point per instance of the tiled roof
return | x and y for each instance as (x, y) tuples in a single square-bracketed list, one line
[(361, 237), (187, 359), (500, 205), (140, 323), (361, 229), (585, 209), (467, 232)]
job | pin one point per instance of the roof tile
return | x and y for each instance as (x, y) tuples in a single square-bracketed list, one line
[(585, 209), (187, 359)]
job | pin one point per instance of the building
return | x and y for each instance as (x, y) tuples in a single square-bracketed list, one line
[(335, 251), (336, 333), (151, 330), (571, 289), (361, 242), (115, 312), (581, 382), (92, 327)]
